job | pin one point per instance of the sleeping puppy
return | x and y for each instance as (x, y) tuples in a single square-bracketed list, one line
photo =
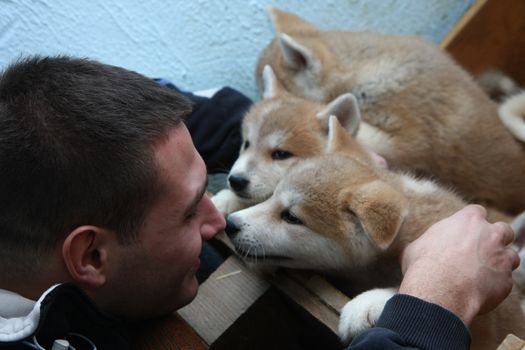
[(422, 111), (345, 216)]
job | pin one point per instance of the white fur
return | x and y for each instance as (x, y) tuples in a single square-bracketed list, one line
[(271, 107), (264, 233), (511, 113), (241, 165), (374, 138), (269, 82), (226, 201), (275, 139), (262, 174), (419, 186), (362, 312)]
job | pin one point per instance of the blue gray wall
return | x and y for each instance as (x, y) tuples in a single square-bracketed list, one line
[(197, 44)]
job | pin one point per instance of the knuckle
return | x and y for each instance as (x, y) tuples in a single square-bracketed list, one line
[(474, 211)]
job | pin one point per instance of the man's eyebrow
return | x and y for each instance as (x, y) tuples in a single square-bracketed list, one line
[(199, 195)]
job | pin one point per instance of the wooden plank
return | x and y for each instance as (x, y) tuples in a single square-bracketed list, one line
[(511, 342), (315, 295), (222, 298), (493, 36), (463, 22), (309, 290), (320, 287), (166, 333)]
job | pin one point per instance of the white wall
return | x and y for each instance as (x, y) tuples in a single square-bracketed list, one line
[(197, 44)]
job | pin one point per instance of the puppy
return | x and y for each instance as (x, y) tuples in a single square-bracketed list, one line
[(276, 132), (340, 215), (497, 85), (511, 97), (424, 113)]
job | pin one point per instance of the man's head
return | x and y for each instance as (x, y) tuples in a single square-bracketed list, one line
[(93, 159)]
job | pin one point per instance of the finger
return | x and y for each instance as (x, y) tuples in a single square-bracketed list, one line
[(475, 209), (514, 257), (506, 233)]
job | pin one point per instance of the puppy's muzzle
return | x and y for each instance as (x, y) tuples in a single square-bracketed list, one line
[(231, 228), (238, 183)]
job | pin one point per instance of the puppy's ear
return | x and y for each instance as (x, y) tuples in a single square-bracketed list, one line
[(298, 57), (337, 136), (271, 85), (289, 23), (339, 141), (346, 109), (381, 210)]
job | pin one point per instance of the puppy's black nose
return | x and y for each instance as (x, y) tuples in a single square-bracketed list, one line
[(231, 229), (238, 183)]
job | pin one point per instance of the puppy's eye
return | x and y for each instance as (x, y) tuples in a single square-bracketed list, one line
[(246, 144), (281, 155), (290, 218)]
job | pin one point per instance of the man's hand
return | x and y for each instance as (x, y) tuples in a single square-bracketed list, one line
[(462, 263)]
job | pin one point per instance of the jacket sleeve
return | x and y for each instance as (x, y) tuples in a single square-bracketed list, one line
[(411, 323)]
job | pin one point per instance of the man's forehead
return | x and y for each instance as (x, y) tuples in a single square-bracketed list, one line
[(181, 168)]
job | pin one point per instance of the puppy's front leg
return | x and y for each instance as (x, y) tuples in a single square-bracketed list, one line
[(228, 202), (362, 312)]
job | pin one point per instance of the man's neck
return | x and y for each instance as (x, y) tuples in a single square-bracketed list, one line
[(32, 285)]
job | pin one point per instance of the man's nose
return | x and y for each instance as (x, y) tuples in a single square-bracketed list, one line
[(215, 222)]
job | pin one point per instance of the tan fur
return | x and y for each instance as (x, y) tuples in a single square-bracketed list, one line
[(353, 216), (438, 121), (283, 122)]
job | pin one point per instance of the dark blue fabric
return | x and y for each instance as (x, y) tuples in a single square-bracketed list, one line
[(215, 125), (67, 312), (411, 323), (379, 339)]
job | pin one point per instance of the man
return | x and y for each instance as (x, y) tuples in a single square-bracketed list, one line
[(102, 187), (103, 193)]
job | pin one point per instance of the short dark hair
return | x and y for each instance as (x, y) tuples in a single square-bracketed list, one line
[(76, 147)]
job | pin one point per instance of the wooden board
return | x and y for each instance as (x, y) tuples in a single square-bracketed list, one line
[(511, 342), (491, 35), (222, 298)]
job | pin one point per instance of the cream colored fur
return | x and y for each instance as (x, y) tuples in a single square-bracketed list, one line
[(337, 214), (512, 114), (429, 115)]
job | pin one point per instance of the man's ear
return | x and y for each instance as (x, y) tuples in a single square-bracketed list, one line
[(381, 210), (289, 23), (85, 251)]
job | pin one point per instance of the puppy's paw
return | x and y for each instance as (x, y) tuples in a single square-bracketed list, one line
[(227, 202), (362, 312)]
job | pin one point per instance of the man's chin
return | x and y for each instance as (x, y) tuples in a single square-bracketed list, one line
[(188, 293)]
